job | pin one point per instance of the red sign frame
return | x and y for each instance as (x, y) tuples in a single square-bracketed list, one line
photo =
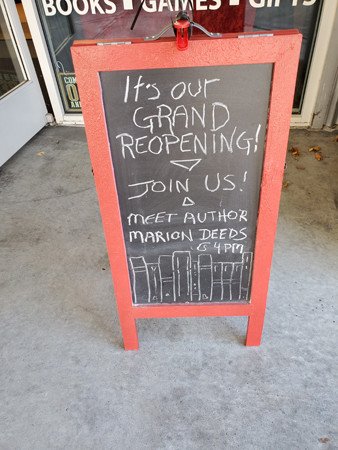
[(282, 49)]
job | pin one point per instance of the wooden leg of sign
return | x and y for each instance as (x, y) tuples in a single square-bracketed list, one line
[(129, 333), (254, 330)]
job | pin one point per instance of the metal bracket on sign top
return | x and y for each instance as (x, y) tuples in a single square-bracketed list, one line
[(182, 28)]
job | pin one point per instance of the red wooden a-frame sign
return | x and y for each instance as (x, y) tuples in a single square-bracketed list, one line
[(282, 50)]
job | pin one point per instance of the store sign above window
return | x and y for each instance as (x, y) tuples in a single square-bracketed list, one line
[(94, 7)]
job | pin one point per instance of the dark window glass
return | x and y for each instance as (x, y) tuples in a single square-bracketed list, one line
[(67, 20)]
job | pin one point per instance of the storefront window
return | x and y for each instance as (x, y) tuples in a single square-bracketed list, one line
[(302, 16), (67, 20)]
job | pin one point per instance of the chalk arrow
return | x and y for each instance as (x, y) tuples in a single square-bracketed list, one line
[(186, 163), (187, 202)]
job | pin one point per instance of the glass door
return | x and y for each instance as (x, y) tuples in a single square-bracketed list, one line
[(22, 108)]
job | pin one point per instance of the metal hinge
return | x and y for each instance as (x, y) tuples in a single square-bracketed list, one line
[(113, 43)]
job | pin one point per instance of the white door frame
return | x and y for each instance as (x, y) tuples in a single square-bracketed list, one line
[(325, 30), (42, 52), (23, 109), (304, 119), (327, 100)]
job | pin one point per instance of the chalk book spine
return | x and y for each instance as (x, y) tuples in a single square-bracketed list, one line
[(217, 285), (166, 278), (236, 282), (140, 280), (227, 270), (194, 281), (154, 283), (205, 277), (246, 276), (182, 278)]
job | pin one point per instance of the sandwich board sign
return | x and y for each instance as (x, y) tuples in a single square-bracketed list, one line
[(188, 152)]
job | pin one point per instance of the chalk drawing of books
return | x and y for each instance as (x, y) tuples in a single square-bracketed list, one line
[(176, 278)]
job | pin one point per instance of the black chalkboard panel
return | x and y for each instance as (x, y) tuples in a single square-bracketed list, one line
[(187, 147)]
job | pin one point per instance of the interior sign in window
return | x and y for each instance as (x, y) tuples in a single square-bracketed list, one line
[(70, 92)]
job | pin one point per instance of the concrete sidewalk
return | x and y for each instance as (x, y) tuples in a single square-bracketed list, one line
[(67, 383)]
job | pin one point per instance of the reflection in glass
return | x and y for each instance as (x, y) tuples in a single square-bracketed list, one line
[(289, 16), (11, 70)]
